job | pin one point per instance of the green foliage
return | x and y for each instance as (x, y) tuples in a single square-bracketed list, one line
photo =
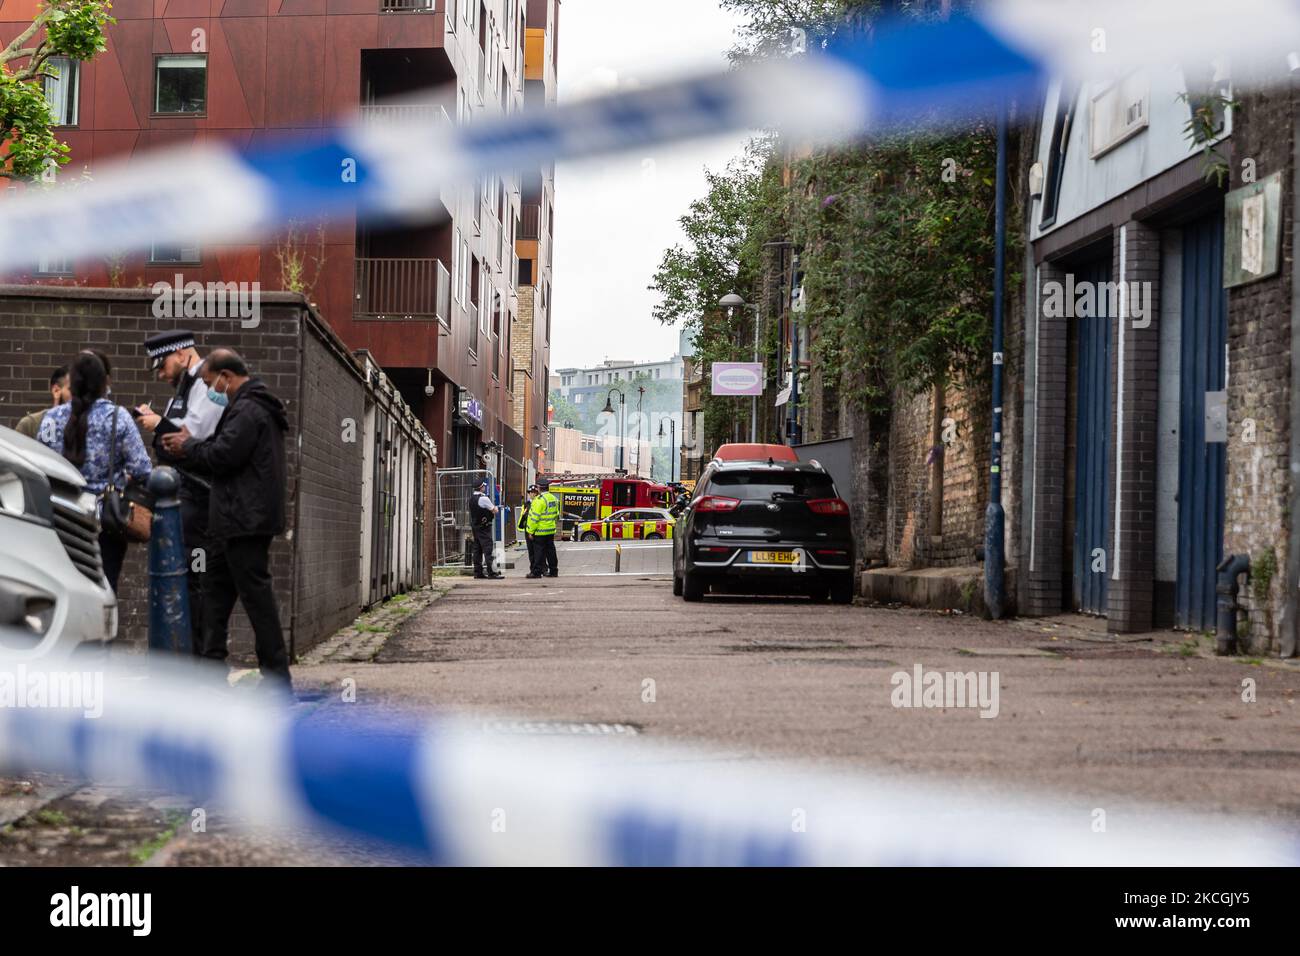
[(898, 248), (1263, 568), (724, 234), (71, 28), (25, 116), (1203, 125), (77, 29), (767, 24), (895, 238)]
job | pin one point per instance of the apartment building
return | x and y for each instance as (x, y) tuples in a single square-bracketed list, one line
[(534, 246), (580, 384), (436, 303)]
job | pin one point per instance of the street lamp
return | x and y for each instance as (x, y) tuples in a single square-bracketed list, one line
[(639, 399), (731, 301), (672, 424), (609, 410)]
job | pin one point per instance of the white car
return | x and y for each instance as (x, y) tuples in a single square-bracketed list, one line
[(53, 593)]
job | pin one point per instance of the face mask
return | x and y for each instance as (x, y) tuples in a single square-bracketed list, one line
[(218, 398)]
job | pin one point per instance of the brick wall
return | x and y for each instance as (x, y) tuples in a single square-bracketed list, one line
[(328, 518), (300, 360), (1132, 501), (1259, 374), (521, 364)]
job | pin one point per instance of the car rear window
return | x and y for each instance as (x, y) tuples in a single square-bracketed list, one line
[(762, 485)]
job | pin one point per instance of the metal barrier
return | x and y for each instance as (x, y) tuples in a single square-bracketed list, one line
[(454, 531), (398, 458)]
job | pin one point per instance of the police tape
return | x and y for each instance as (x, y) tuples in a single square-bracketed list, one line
[(445, 790), (905, 73)]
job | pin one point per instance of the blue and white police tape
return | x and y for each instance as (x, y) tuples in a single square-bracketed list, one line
[(453, 794), (909, 72)]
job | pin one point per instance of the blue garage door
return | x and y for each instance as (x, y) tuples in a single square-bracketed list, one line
[(1092, 450), (1201, 465)]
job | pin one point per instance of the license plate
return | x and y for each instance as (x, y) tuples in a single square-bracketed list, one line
[(773, 557)]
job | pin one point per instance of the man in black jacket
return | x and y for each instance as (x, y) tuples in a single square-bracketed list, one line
[(245, 457)]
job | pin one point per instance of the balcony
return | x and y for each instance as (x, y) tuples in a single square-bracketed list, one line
[(401, 290), (406, 6), (404, 113)]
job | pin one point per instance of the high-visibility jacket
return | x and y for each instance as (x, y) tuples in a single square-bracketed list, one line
[(543, 516)]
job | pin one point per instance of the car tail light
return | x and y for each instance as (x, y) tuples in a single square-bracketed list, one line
[(713, 550), (830, 553), (716, 503), (829, 506)]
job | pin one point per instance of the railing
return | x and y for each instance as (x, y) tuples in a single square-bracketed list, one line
[(531, 219), (403, 289), (406, 6), (381, 113)]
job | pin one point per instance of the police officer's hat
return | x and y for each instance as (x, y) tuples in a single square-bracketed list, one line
[(162, 344), (483, 483), (544, 484)]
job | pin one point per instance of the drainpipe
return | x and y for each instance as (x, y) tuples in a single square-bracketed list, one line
[(994, 516), (1225, 635)]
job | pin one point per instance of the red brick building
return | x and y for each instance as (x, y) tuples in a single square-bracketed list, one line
[(436, 304)]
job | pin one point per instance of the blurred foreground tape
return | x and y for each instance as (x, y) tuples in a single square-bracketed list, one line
[(456, 795), (905, 73)]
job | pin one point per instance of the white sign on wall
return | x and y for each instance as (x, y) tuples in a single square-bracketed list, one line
[(1120, 112)]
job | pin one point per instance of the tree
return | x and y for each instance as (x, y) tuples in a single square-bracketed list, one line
[(71, 28)]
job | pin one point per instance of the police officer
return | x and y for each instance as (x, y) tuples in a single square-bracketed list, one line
[(176, 361), (482, 514), (543, 523), (528, 538)]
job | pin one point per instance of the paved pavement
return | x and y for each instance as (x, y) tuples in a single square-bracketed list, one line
[(1095, 721), (1079, 713)]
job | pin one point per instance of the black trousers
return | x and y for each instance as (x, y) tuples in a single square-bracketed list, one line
[(548, 562), (194, 529), (483, 551), (532, 553), (240, 568), (112, 550)]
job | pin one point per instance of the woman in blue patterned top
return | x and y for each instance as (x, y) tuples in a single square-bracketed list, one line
[(81, 431)]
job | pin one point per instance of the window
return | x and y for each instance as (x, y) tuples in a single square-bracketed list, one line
[(54, 266), (456, 263), (181, 84), (61, 89), (170, 252), (1066, 104), (465, 268)]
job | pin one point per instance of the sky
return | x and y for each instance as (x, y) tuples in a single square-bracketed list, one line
[(615, 217)]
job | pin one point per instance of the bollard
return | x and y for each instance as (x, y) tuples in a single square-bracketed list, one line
[(169, 596), (618, 558)]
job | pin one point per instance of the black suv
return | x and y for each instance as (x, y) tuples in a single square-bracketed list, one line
[(765, 526)]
